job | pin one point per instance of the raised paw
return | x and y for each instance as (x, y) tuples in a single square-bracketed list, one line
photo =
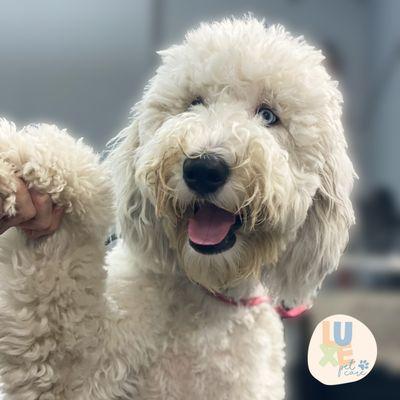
[(46, 173)]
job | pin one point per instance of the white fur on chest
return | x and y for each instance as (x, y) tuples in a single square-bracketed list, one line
[(203, 347), (239, 356)]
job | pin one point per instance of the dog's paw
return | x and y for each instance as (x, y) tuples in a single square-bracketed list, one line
[(51, 161)]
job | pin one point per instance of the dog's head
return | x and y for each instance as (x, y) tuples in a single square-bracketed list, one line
[(235, 165)]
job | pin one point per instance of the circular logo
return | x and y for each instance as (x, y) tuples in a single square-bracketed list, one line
[(342, 350)]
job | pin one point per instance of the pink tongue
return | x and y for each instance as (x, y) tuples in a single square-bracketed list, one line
[(210, 225)]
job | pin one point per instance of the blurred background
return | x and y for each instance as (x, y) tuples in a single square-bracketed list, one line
[(82, 64)]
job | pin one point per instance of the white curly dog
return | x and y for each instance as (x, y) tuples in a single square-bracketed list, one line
[(231, 184)]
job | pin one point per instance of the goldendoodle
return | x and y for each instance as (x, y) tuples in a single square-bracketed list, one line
[(231, 196)]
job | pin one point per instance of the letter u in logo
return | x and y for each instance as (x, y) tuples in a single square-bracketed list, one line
[(348, 333)]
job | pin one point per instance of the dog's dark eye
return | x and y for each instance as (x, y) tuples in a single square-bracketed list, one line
[(269, 117), (198, 100)]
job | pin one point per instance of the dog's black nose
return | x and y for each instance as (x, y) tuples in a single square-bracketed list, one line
[(205, 174)]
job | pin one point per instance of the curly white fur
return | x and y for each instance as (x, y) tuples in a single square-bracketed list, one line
[(140, 328)]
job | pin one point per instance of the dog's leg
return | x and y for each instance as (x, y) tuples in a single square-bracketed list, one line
[(53, 311)]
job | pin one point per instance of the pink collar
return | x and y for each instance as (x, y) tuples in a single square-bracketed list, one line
[(255, 301)]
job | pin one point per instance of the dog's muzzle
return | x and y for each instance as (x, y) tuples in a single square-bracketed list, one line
[(211, 230)]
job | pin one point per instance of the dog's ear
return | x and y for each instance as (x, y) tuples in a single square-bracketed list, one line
[(136, 217), (324, 235)]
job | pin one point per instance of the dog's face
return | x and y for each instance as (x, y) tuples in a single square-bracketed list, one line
[(235, 165)]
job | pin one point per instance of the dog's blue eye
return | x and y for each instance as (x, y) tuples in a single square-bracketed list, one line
[(198, 100), (269, 117)]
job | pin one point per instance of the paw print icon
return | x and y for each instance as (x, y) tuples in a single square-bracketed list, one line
[(363, 364)]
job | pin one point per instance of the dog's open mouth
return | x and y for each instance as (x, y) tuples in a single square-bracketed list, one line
[(212, 229)]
